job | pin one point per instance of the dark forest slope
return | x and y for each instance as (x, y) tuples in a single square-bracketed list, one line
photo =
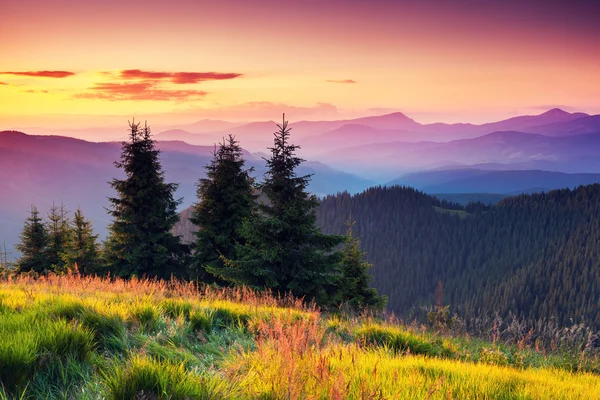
[(535, 255)]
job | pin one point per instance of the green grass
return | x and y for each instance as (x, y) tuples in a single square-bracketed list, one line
[(161, 379), (461, 213), (77, 338), (401, 341)]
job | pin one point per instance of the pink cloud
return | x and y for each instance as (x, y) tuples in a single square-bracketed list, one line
[(341, 81), (178, 77), (145, 90), (41, 74)]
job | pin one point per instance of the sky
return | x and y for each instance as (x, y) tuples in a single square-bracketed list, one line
[(75, 63)]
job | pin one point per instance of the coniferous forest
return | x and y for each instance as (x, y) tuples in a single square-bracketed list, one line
[(535, 256)]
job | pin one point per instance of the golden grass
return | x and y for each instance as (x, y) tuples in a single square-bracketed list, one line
[(297, 353), (298, 361)]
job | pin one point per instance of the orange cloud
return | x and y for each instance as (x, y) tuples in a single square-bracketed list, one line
[(3, 83), (341, 81), (178, 77), (41, 74), (146, 90)]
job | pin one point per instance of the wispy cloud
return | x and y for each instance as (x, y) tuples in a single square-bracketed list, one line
[(3, 83), (36, 91), (341, 81), (146, 90), (178, 77), (40, 74), (265, 110)]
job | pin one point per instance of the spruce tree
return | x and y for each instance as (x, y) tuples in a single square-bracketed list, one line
[(58, 229), (33, 245), (355, 287), (225, 199), (284, 249), (140, 241), (82, 249)]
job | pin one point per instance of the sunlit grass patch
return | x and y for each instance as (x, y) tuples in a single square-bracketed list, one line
[(176, 307), (31, 343), (147, 315), (88, 338), (162, 380), (201, 320), (401, 340), (61, 339), (350, 372)]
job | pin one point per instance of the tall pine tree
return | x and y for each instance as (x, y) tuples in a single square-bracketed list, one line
[(355, 287), (33, 245), (58, 235), (144, 212), (284, 249), (225, 199), (82, 248)]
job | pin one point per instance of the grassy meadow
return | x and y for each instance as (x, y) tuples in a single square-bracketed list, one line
[(71, 337)]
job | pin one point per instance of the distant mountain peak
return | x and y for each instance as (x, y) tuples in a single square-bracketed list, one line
[(555, 112), (396, 116)]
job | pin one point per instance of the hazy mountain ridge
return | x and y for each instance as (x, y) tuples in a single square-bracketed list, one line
[(501, 182), (398, 127), (42, 169)]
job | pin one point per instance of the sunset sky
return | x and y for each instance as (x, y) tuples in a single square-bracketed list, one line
[(67, 63)]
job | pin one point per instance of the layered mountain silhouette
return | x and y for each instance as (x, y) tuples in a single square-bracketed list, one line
[(506, 150), (523, 154), (322, 136), (501, 182)]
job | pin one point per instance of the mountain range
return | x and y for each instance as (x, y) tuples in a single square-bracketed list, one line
[(456, 181), (391, 127), (523, 154)]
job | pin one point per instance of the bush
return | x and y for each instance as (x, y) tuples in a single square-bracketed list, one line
[(493, 356)]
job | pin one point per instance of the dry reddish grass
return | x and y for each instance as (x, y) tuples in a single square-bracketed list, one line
[(76, 284)]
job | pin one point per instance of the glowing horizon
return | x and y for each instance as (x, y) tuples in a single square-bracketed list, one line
[(67, 63)]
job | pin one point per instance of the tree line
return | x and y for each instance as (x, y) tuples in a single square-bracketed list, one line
[(262, 235)]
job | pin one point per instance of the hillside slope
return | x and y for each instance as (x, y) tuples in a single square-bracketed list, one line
[(88, 338), (533, 255)]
